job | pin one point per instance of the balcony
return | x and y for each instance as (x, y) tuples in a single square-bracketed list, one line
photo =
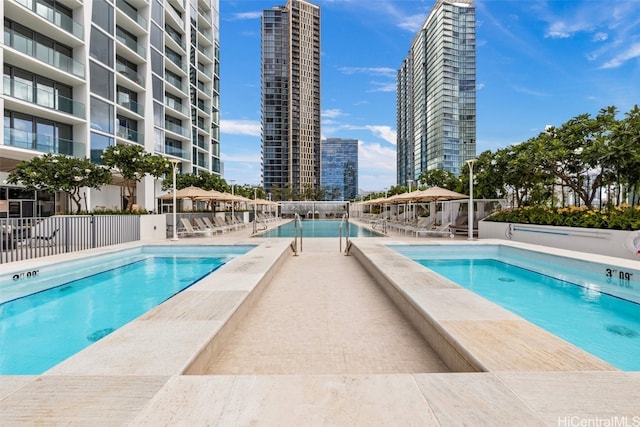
[(132, 106), (131, 13), (130, 73), (129, 42), (44, 98), (51, 15), (177, 83), (43, 143), (183, 109), (43, 53), (177, 152), (130, 135), (206, 71), (175, 128)]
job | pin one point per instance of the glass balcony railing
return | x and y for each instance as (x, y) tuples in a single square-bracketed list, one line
[(178, 152), (55, 17), (177, 60), (42, 97), (131, 106), (131, 13), (130, 135), (175, 37), (176, 106), (130, 73), (175, 16), (205, 70), (180, 130), (205, 15), (207, 35), (175, 82), (43, 143), (43, 53), (130, 43)]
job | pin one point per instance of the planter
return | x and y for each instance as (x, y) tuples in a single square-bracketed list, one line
[(616, 243)]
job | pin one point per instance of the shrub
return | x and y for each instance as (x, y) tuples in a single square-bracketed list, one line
[(623, 217)]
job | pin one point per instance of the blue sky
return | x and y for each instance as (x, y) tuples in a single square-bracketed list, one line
[(539, 62)]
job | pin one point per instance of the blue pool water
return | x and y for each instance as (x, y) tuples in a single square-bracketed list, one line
[(319, 228), (583, 307), (39, 330)]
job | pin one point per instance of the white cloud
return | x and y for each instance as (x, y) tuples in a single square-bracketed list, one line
[(384, 132), (332, 113), (632, 52), (241, 127), (247, 15), (383, 71), (376, 166), (384, 87), (412, 23), (600, 36), (480, 86)]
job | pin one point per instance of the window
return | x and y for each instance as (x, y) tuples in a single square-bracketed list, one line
[(101, 47), (101, 81), (102, 15)]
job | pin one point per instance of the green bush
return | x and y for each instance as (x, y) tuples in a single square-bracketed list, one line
[(623, 217)]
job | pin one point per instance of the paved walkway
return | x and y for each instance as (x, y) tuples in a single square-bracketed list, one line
[(323, 314)]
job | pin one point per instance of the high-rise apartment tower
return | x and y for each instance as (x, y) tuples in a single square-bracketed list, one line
[(436, 93), (340, 168), (291, 97), (80, 76)]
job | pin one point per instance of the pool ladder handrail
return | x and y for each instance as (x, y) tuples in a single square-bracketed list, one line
[(297, 225), (345, 222)]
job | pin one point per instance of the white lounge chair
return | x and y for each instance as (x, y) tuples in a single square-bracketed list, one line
[(437, 230), (189, 229)]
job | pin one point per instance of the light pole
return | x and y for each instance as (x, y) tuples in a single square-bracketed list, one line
[(174, 163), (233, 202), (409, 182), (470, 162)]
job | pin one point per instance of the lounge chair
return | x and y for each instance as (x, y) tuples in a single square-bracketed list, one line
[(442, 230), (189, 229), (211, 225), (35, 241)]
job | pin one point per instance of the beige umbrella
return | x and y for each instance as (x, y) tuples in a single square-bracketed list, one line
[(434, 194), (187, 193)]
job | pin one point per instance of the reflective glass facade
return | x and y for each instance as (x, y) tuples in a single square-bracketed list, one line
[(340, 168), (436, 94)]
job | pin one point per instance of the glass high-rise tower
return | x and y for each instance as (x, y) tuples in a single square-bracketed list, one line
[(436, 93), (80, 76), (340, 168), (291, 97)]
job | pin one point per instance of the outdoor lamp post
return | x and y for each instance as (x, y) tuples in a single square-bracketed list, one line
[(174, 163), (233, 203), (409, 182), (470, 162)]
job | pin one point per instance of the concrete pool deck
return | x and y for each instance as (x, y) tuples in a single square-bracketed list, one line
[(273, 339)]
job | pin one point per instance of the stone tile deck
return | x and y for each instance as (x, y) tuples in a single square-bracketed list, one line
[(314, 341)]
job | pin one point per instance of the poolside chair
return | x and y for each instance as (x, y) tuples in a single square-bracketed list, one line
[(203, 226), (40, 241), (212, 226), (189, 230), (442, 230)]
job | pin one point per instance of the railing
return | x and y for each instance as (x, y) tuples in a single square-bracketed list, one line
[(131, 13), (130, 135), (43, 53), (55, 17), (345, 222), (43, 142), (298, 227), (42, 97), (28, 238), (130, 73), (129, 42)]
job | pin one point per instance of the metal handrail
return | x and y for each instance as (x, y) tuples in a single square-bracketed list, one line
[(345, 221), (297, 225)]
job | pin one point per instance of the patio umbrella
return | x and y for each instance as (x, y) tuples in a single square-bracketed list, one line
[(435, 194), (191, 193)]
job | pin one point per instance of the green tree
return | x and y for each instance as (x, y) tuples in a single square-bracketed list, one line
[(60, 173), (573, 153), (439, 178), (132, 162), (623, 156)]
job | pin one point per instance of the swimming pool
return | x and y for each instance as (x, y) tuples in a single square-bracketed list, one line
[(87, 299), (593, 306), (319, 228)]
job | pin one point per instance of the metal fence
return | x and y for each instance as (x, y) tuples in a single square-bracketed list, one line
[(27, 238)]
